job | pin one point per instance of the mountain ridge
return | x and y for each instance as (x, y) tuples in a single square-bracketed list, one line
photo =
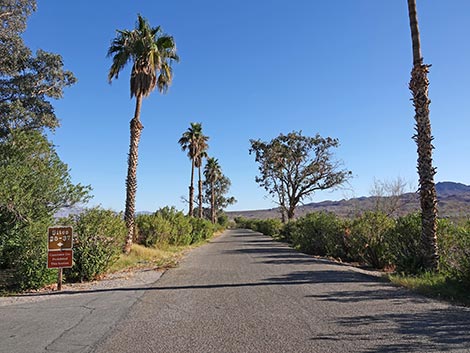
[(453, 202)]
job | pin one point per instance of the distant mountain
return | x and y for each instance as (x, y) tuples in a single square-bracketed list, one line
[(453, 202), (447, 188)]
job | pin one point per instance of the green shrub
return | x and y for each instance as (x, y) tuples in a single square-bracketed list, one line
[(368, 241), (405, 244), (287, 230), (153, 229), (170, 226), (270, 227), (202, 229), (245, 223), (319, 233), (454, 251), (222, 220), (30, 265), (181, 229), (99, 236)]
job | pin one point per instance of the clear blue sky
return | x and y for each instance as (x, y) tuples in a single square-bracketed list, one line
[(254, 69)]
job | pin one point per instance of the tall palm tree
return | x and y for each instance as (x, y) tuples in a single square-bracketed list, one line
[(195, 142), (419, 87), (198, 165), (212, 172), (151, 53)]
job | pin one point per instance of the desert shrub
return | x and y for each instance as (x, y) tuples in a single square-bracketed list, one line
[(30, 270), (99, 236), (170, 226), (222, 220), (368, 239), (181, 229), (287, 230), (245, 223), (454, 251), (270, 227), (153, 229), (405, 244), (319, 233), (202, 229)]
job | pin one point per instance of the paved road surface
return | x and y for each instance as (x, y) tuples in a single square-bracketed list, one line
[(241, 293), (246, 293)]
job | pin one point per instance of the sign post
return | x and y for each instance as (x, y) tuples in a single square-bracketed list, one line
[(60, 253)]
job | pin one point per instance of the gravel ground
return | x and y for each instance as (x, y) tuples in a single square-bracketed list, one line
[(126, 278)]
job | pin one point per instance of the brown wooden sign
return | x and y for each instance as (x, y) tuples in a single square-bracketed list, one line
[(59, 238), (59, 259)]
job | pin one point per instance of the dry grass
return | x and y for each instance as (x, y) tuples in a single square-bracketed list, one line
[(163, 256)]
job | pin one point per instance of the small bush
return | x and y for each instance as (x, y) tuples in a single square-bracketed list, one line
[(180, 225), (153, 229), (405, 244), (454, 251), (270, 227), (170, 226), (30, 265), (368, 241), (245, 223), (99, 235), (319, 233), (202, 229), (222, 220), (287, 230)]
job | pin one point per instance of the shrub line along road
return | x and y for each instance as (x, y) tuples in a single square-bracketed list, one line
[(242, 292)]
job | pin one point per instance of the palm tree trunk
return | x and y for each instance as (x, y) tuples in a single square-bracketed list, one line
[(191, 190), (200, 192), (419, 87), (212, 203), (131, 181)]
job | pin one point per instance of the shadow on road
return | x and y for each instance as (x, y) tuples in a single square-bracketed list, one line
[(438, 330)]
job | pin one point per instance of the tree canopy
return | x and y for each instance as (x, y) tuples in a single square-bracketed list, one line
[(293, 166), (27, 82)]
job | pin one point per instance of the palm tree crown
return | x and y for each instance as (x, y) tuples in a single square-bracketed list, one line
[(212, 170), (194, 141), (151, 52)]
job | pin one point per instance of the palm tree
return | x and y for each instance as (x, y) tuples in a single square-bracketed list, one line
[(198, 165), (195, 142), (419, 87), (151, 53), (212, 172)]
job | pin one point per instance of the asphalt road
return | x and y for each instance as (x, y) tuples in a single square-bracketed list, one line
[(240, 293), (245, 293)]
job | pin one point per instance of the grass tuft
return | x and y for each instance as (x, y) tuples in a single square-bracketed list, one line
[(435, 286)]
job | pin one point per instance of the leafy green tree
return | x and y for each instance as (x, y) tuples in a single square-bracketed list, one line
[(419, 87), (292, 167), (13, 16), (27, 82), (220, 187), (35, 184), (151, 53), (195, 142)]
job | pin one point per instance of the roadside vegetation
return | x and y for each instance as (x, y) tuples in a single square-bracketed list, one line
[(36, 183), (378, 241), (426, 253)]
